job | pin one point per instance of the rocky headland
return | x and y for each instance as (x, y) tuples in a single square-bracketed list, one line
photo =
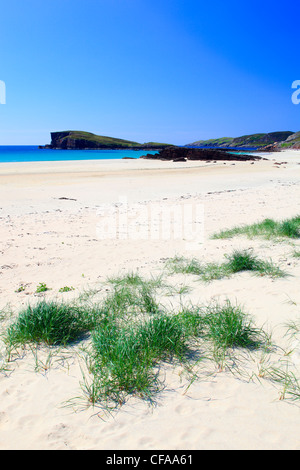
[(273, 141), (80, 140)]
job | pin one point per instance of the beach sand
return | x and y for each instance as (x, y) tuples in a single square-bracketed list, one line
[(52, 221)]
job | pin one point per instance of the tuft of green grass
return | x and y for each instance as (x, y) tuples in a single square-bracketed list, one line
[(245, 260), (227, 326), (66, 289), (124, 358), (135, 280), (51, 323), (42, 287), (148, 302), (191, 319), (128, 279), (289, 228), (207, 272), (227, 329), (268, 228), (131, 294), (237, 261), (224, 326), (182, 265)]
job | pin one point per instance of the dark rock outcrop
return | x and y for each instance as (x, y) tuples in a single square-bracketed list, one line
[(185, 154)]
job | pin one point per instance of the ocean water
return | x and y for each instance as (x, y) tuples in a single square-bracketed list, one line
[(32, 153)]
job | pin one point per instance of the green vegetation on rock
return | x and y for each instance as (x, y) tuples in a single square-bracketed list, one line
[(248, 141), (87, 140)]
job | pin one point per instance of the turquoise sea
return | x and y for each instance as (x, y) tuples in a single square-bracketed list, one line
[(31, 153)]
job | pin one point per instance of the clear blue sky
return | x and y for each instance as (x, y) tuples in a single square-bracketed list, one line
[(148, 70)]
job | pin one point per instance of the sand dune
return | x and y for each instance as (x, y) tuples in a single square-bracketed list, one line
[(50, 218)]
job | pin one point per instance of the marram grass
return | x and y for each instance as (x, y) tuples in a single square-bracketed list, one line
[(131, 295), (245, 260), (125, 358), (130, 335), (227, 326), (237, 261), (51, 323), (268, 228)]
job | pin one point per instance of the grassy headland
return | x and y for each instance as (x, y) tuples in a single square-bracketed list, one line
[(88, 140)]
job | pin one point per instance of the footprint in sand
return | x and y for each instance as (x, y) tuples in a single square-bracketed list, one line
[(185, 409)]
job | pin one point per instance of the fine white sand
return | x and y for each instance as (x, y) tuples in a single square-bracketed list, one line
[(53, 221)]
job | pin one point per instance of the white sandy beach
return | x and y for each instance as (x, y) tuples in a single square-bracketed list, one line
[(50, 218)]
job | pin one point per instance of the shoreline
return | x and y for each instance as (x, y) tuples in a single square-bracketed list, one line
[(37, 185)]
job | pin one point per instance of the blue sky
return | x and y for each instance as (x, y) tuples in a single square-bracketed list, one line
[(148, 70)]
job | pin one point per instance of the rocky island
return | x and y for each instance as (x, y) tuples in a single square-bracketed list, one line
[(80, 140)]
